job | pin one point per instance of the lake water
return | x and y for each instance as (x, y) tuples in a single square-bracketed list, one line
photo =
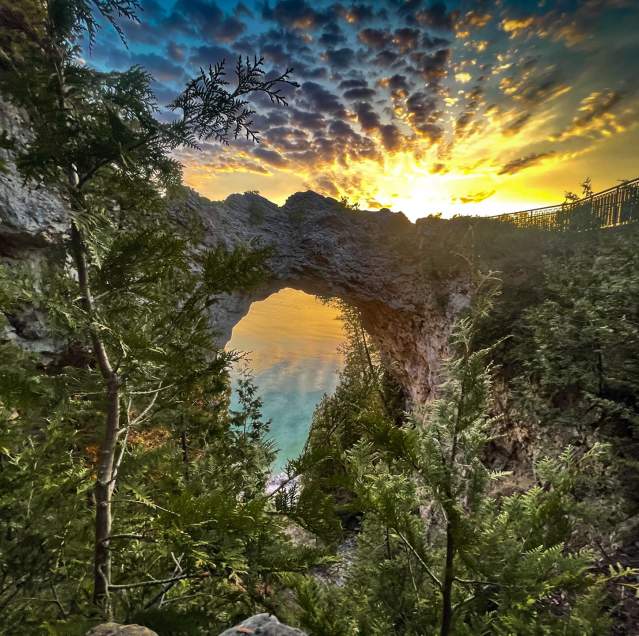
[(292, 341)]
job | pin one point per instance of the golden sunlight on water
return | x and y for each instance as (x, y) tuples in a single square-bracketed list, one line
[(291, 340)]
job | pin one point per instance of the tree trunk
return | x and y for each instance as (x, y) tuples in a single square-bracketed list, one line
[(105, 482), (103, 491), (447, 585)]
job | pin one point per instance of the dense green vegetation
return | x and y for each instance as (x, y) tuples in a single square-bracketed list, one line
[(125, 475), (449, 542)]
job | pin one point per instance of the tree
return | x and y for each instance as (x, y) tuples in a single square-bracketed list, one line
[(97, 141), (442, 547), (365, 394)]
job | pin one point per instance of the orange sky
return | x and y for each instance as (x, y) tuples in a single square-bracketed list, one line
[(423, 106)]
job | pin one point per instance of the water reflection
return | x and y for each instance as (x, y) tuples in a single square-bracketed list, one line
[(292, 340)]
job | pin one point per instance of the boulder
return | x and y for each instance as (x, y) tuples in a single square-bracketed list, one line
[(115, 629), (262, 625)]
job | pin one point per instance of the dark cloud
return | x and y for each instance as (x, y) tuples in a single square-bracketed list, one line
[(341, 58), (270, 156), (296, 14), (310, 120), (423, 115), (516, 165), (397, 84), (375, 38), (436, 16), (462, 122), (514, 126), (352, 83), (368, 119), (282, 46), (359, 12), (340, 128), (332, 36), (205, 55), (207, 19), (359, 93), (406, 39), (285, 138), (356, 89), (175, 52), (391, 137), (321, 100), (386, 58), (432, 66), (161, 68)]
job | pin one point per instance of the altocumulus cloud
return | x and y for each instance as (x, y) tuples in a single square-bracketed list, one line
[(429, 77)]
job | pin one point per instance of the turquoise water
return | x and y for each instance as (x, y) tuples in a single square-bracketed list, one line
[(292, 341)]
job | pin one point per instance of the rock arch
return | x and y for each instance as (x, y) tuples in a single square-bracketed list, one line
[(369, 259), (372, 260)]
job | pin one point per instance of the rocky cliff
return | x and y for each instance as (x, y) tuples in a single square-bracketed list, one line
[(372, 260)]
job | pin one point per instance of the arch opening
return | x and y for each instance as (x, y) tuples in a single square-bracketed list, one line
[(291, 340)]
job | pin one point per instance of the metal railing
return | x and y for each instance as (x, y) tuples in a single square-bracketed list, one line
[(615, 206)]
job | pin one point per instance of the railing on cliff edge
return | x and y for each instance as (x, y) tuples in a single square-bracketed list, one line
[(615, 206)]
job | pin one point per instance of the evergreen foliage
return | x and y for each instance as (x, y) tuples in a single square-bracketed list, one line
[(130, 432), (443, 547)]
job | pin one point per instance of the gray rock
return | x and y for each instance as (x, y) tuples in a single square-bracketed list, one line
[(31, 215), (262, 625), (372, 260), (115, 629)]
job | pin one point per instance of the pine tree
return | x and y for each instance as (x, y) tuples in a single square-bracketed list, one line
[(96, 134), (441, 550)]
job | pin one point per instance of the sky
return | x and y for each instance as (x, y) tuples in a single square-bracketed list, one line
[(417, 105), (291, 341)]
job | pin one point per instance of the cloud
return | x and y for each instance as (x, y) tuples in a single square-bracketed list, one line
[(368, 119), (207, 19), (595, 116), (515, 125), (359, 93), (432, 66), (406, 39), (321, 99), (477, 197), (398, 85), (175, 52), (341, 58), (211, 54), (332, 36), (270, 156), (386, 58), (516, 165), (296, 14), (514, 26), (436, 16), (375, 38), (311, 120), (391, 137), (423, 115)]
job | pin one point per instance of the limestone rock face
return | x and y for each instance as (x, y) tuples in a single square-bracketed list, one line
[(32, 220), (262, 625), (115, 629), (372, 260), (31, 216)]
